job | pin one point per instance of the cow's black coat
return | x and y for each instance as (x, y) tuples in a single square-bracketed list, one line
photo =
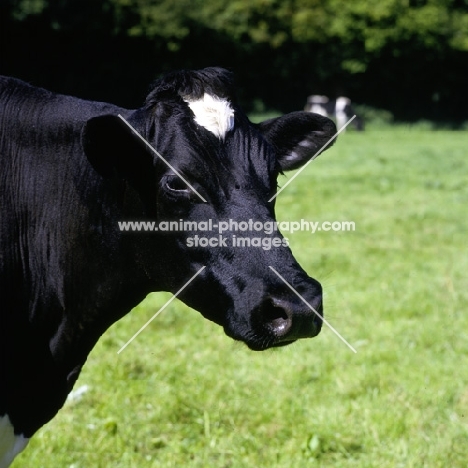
[(70, 169)]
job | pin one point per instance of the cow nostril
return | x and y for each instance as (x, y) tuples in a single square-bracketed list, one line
[(276, 318)]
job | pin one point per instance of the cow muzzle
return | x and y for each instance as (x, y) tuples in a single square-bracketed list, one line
[(278, 321)]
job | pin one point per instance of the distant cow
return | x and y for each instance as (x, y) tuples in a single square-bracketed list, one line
[(339, 109), (70, 170)]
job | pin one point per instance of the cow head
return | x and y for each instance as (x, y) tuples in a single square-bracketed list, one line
[(231, 166)]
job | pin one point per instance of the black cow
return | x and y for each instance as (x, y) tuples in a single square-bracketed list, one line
[(71, 169)]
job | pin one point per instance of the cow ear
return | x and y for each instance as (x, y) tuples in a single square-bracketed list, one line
[(113, 149), (298, 136)]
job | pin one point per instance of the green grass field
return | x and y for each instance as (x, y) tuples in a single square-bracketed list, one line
[(184, 395)]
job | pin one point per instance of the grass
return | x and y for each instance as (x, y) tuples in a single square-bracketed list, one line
[(185, 395)]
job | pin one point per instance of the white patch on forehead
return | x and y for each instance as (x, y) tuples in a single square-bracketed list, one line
[(213, 113), (10, 443)]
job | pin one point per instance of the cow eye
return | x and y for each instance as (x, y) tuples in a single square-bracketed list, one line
[(176, 189), (175, 185)]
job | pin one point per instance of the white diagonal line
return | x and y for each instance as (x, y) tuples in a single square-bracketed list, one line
[(159, 155), (312, 158), (313, 310), (161, 309)]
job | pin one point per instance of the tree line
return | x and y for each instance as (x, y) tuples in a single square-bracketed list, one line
[(407, 56)]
